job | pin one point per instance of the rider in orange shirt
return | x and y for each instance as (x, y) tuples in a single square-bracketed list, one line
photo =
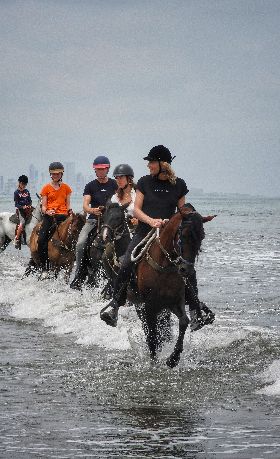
[(55, 209)]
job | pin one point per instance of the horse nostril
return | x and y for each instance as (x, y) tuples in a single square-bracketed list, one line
[(186, 269)]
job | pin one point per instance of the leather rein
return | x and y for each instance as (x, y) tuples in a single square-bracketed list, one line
[(174, 263)]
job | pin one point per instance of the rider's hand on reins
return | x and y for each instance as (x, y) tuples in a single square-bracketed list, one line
[(97, 210), (50, 212), (157, 222), (133, 221)]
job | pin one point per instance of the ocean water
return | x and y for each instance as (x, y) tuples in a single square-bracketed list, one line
[(72, 387)]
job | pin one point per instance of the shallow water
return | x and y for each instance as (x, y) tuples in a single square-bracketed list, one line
[(72, 387)]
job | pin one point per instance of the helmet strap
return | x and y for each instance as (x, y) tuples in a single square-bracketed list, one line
[(160, 170)]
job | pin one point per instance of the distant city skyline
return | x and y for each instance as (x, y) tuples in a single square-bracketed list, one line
[(77, 181)]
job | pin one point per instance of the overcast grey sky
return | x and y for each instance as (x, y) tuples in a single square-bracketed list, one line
[(82, 78)]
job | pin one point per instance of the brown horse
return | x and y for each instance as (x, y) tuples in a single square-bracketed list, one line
[(162, 278), (61, 246)]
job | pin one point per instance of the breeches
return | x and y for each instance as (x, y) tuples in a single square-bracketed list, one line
[(47, 229), (82, 241)]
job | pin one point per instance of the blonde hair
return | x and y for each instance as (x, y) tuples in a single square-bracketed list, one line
[(120, 191), (170, 174)]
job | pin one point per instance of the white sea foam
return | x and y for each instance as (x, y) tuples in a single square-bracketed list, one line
[(271, 378), (70, 312)]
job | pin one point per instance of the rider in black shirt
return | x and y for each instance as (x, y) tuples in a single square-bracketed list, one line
[(157, 198), (96, 194)]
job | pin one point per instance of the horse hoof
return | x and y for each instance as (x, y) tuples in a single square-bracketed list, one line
[(45, 275), (109, 319), (173, 361), (208, 318)]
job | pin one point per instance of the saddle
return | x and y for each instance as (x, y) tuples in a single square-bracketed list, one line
[(15, 218)]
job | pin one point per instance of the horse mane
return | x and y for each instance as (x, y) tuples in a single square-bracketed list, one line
[(197, 233)]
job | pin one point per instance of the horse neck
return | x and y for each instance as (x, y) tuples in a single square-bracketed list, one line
[(36, 215), (167, 236), (122, 243), (62, 230)]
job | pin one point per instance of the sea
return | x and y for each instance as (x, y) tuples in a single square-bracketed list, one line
[(72, 387)]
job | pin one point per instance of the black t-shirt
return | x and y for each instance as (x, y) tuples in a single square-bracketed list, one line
[(160, 198), (100, 192)]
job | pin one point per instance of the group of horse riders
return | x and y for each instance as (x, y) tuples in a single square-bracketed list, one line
[(149, 204)]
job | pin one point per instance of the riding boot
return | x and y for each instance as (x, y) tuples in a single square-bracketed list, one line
[(17, 243), (119, 299), (110, 316)]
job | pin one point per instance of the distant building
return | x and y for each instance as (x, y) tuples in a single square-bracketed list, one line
[(33, 179), (10, 187), (70, 174), (80, 184)]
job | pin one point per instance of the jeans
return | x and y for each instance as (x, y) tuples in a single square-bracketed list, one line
[(82, 242)]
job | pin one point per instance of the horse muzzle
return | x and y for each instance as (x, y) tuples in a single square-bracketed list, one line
[(185, 268)]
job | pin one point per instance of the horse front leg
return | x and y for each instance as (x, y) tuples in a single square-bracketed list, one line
[(31, 268), (174, 358), (4, 242), (151, 331)]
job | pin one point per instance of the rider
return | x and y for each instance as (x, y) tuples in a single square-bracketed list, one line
[(96, 193), (125, 194), (23, 205), (55, 209), (157, 197)]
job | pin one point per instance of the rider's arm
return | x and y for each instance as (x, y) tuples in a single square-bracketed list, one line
[(16, 199), (181, 202), (68, 202), (86, 206), (44, 204), (138, 212)]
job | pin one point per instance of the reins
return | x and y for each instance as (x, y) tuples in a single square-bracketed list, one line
[(174, 263), (60, 243)]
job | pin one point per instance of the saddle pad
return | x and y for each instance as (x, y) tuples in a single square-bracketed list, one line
[(14, 219)]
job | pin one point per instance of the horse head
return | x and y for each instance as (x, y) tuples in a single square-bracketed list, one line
[(114, 222), (77, 222), (37, 211), (190, 236)]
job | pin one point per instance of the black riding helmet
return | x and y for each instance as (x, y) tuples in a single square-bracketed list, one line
[(23, 179), (160, 153), (123, 169)]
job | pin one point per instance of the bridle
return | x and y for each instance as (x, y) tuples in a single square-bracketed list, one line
[(177, 264), (118, 231)]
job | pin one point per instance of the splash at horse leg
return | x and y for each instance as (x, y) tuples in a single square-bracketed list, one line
[(151, 330), (31, 268), (4, 242), (174, 358)]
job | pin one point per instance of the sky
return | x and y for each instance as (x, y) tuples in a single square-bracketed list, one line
[(116, 77)]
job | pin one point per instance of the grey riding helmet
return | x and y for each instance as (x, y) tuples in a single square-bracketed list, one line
[(123, 169)]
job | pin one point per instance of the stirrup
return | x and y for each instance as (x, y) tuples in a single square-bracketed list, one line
[(110, 317)]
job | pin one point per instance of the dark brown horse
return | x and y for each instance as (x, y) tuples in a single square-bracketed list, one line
[(105, 250), (61, 246), (161, 286), (161, 277)]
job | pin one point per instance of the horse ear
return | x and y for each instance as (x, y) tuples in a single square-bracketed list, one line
[(125, 206), (108, 202)]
